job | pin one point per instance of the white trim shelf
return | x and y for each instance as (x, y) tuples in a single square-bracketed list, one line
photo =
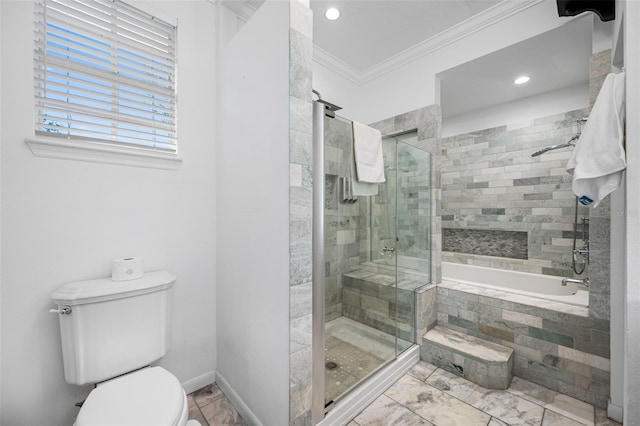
[(102, 153)]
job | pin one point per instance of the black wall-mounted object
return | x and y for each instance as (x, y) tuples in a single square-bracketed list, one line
[(605, 9)]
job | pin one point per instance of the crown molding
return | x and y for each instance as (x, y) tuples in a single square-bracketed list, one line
[(243, 10), (336, 65), (482, 20)]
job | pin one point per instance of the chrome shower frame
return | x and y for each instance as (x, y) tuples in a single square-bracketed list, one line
[(318, 269)]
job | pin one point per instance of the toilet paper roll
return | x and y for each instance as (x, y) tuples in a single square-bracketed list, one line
[(126, 268)]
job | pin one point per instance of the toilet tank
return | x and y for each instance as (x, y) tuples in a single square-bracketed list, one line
[(114, 326)]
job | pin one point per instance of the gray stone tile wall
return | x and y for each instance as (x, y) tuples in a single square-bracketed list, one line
[(426, 311), (300, 212), (566, 353), (404, 201), (600, 217), (427, 122), (373, 299), (346, 223), (491, 183)]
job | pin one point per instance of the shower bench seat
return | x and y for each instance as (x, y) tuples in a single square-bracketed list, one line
[(485, 363), (382, 298)]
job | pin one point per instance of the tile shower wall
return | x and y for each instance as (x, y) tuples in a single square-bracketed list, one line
[(346, 223), (300, 212), (599, 217), (403, 201), (428, 123), (490, 184)]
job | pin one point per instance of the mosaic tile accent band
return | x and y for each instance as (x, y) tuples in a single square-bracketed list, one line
[(486, 242)]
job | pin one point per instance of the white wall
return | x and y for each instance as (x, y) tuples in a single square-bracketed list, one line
[(64, 220), (252, 221), (632, 217), (414, 85), (556, 102), (0, 212)]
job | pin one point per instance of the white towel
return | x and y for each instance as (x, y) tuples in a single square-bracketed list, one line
[(360, 188), (598, 160), (367, 147)]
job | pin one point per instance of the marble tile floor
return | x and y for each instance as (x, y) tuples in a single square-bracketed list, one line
[(430, 396), (211, 407)]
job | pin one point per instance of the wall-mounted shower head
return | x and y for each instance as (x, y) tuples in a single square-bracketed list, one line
[(329, 108)]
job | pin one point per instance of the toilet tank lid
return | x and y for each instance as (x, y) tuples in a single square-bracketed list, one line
[(102, 289)]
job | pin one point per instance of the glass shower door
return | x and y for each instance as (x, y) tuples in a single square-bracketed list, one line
[(360, 299), (413, 232), (374, 254), (400, 218)]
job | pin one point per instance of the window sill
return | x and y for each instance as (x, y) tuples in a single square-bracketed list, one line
[(99, 153)]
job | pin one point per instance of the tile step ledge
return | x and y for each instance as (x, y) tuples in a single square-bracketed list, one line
[(485, 363)]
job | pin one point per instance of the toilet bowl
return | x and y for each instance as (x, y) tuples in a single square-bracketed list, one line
[(151, 396)]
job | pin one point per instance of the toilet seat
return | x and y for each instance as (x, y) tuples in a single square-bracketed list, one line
[(151, 396)]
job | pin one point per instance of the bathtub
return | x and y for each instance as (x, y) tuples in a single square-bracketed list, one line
[(522, 287)]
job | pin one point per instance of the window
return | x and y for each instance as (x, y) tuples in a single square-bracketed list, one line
[(105, 75)]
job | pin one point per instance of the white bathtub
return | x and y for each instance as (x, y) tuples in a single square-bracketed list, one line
[(545, 287)]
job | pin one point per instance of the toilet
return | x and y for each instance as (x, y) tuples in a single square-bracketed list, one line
[(111, 331)]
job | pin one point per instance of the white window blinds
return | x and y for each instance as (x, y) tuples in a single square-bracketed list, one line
[(105, 72)]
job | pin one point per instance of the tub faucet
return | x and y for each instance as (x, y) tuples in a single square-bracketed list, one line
[(583, 282)]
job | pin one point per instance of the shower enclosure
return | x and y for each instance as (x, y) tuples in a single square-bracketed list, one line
[(376, 252)]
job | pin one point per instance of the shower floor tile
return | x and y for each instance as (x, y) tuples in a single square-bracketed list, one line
[(346, 365), (357, 351)]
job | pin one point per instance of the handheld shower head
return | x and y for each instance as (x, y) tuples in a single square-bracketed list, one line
[(571, 142), (542, 151)]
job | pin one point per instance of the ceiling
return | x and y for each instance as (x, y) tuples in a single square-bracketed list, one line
[(371, 31), (554, 60), (371, 35)]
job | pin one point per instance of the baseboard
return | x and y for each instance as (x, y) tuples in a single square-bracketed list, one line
[(614, 412), (349, 406), (238, 403), (201, 381)]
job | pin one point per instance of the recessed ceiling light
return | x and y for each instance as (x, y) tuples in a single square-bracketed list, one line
[(332, 14), (522, 79)]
